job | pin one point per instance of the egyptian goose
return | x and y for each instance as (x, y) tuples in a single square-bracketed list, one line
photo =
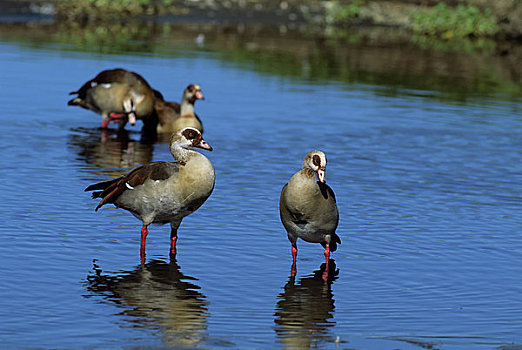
[(308, 208), (163, 192), (116, 94), (173, 116)]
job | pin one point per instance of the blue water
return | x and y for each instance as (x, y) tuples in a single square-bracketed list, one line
[(428, 191)]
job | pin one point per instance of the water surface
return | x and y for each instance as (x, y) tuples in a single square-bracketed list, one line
[(427, 184)]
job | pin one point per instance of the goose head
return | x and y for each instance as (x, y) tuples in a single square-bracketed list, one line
[(182, 142), (193, 93), (316, 161)]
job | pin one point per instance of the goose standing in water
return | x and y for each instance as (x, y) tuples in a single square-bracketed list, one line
[(163, 192), (308, 208), (173, 116), (118, 95)]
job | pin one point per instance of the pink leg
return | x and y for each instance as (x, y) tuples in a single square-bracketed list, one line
[(173, 239), (105, 123), (293, 270), (116, 116), (327, 256), (173, 245), (144, 233), (113, 117)]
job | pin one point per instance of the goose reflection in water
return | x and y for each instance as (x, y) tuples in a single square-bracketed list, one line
[(111, 152), (305, 310), (157, 296)]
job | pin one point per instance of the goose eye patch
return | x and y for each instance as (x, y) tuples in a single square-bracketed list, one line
[(316, 160), (190, 134)]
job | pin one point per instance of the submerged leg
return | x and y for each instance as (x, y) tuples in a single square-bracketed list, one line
[(118, 118), (327, 256), (105, 121), (173, 238), (327, 253), (144, 233), (293, 269)]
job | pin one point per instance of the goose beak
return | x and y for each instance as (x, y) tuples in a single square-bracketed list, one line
[(320, 175), (199, 96), (204, 145), (132, 118)]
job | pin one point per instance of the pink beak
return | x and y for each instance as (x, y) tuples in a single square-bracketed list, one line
[(204, 145), (199, 95), (132, 118)]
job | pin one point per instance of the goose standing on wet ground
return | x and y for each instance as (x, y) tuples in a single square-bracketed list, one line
[(308, 208), (118, 95), (171, 116), (163, 192)]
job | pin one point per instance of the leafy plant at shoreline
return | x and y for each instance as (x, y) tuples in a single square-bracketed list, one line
[(454, 22), (339, 13)]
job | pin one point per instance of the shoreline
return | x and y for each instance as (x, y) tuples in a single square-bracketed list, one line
[(320, 15)]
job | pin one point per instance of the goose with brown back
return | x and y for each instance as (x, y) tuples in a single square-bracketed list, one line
[(173, 116), (163, 192), (118, 95)]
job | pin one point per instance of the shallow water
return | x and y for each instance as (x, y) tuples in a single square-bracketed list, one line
[(428, 189)]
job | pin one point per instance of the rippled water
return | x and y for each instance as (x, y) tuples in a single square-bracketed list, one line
[(428, 192)]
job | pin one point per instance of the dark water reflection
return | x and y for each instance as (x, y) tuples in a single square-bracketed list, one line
[(305, 310), (110, 152), (156, 296)]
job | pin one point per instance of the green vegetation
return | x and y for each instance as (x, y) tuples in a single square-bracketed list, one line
[(440, 21), (338, 13), (85, 9), (446, 20), (454, 22)]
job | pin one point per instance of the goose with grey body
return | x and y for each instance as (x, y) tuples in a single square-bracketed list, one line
[(173, 116), (308, 208), (118, 95), (163, 192)]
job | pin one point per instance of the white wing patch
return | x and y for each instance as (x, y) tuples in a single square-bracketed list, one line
[(129, 186)]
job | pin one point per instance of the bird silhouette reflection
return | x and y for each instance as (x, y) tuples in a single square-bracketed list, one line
[(305, 310), (156, 296), (110, 152)]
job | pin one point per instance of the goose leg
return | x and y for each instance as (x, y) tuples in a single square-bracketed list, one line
[(173, 238), (105, 121), (144, 233), (113, 115), (293, 269), (327, 253), (327, 256)]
